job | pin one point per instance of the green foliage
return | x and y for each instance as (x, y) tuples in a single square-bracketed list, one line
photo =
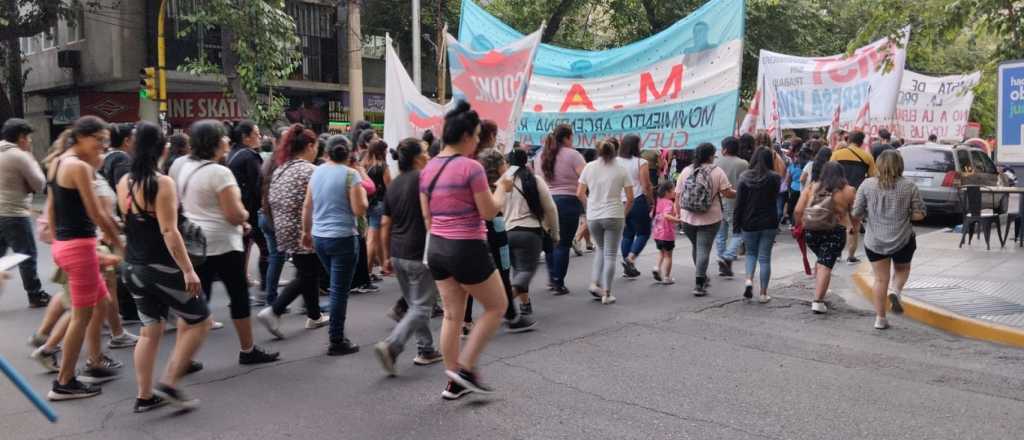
[(261, 51)]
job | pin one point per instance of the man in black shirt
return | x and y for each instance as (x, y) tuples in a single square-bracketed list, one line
[(404, 235), (884, 143), (245, 162)]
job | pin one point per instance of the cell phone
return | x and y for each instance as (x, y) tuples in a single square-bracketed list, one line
[(511, 171)]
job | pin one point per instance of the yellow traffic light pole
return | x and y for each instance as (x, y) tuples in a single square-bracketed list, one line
[(161, 58)]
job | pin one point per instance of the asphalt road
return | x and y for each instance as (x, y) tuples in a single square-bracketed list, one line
[(659, 363)]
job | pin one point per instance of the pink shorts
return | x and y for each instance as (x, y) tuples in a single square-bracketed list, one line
[(77, 258)]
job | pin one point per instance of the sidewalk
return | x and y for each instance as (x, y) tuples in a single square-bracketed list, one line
[(969, 292)]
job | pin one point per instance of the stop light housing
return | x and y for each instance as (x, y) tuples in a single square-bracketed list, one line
[(147, 84)]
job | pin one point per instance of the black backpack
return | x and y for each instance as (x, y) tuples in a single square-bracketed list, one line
[(855, 171)]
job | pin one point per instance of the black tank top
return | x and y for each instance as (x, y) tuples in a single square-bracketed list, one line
[(72, 221), (145, 242)]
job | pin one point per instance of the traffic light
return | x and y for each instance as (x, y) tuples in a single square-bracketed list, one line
[(147, 84)]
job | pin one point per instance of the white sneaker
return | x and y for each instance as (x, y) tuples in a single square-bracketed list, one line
[(607, 299), (124, 340), (819, 307), (317, 323), (47, 359), (881, 323), (271, 322), (668, 281), (216, 325), (764, 299)]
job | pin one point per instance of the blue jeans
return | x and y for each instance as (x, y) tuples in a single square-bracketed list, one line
[(569, 211), (275, 259), (727, 243), (759, 251), (339, 256), (16, 234), (638, 227)]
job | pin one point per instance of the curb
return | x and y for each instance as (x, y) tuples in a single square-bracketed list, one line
[(943, 319)]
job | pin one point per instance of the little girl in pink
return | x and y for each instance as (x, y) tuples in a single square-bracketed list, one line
[(666, 216)]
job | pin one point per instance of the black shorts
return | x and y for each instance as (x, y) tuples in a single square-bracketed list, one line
[(664, 245), (468, 261), (902, 256), (157, 289)]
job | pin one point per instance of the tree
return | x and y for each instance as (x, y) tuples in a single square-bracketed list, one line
[(260, 48), (23, 18)]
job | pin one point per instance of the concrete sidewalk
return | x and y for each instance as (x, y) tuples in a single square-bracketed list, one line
[(966, 291)]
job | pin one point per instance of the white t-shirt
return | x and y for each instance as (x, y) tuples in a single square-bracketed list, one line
[(202, 202), (632, 167), (605, 181)]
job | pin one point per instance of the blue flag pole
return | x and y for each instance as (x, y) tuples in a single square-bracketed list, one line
[(22, 385)]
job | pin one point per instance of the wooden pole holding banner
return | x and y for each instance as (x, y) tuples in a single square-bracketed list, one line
[(442, 52)]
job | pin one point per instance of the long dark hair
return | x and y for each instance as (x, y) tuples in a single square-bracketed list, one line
[(552, 144), (149, 147), (527, 181), (833, 178), (763, 161), (630, 146), (824, 155), (705, 154)]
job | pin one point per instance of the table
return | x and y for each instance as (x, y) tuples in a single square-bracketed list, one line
[(1008, 190)]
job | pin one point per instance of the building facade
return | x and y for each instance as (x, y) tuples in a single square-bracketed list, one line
[(90, 66)]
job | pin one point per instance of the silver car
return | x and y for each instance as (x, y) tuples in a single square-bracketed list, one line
[(941, 170)]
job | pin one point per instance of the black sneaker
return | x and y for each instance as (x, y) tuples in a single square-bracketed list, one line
[(525, 309), (560, 290), (438, 311), (374, 278), (73, 390), (894, 300), (146, 405), (852, 260), (95, 375), (257, 356), (724, 268), (629, 271), (341, 347), (748, 292), (194, 367), (38, 300), (469, 379), (175, 397), (521, 324), (454, 391)]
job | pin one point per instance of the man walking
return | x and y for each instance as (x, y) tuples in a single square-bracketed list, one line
[(857, 165), (403, 235), (733, 166), (20, 177)]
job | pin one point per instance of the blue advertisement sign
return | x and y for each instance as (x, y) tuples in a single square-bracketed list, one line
[(1010, 117)]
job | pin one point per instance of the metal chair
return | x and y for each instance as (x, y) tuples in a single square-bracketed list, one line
[(970, 199)]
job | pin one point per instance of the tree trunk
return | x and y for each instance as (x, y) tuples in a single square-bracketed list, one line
[(229, 64), (355, 62), (442, 56), (555, 21), (652, 16)]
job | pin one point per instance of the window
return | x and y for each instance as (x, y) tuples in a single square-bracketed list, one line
[(373, 46), (35, 43), (963, 159), (927, 160), (73, 28), (982, 163), (50, 38), (23, 44)]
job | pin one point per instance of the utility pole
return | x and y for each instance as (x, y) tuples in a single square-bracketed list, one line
[(355, 62), (442, 53), (417, 74), (161, 65)]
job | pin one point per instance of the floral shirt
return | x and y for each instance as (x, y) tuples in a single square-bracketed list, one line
[(286, 194)]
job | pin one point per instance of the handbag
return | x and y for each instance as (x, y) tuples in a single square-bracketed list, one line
[(430, 192), (191, 233)]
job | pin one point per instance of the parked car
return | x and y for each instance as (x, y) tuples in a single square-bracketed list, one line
[(941, 170)]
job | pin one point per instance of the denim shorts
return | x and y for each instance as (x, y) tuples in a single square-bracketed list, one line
[(374, 214)]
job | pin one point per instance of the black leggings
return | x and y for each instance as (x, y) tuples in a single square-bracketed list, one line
[(496, 240), (306, 284), (227, 268), (361, 275)]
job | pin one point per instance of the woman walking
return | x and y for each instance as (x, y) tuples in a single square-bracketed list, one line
[(822, 211), (887, 204), (335, 198), (756, 218), (212, 200), (561, 165), (375, 163), (701, 187), (159, 274), (74, 212), (530, 215), (602, 184), (286, 192), (456, 200), (638, 219)]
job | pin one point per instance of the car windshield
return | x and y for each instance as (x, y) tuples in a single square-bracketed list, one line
[(927, 160)]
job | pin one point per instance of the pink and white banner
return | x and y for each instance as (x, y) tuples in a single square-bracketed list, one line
[(494, 82), (409, 113)]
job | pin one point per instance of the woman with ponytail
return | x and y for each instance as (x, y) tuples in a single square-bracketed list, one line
[(561, 166), (602, 184), (530, 215), (158, 273)]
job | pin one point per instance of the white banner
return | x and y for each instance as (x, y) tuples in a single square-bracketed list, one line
[(409, 113), (807, 91), (938, 105)]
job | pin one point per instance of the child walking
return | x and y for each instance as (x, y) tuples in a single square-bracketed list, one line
[(666, 220)]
